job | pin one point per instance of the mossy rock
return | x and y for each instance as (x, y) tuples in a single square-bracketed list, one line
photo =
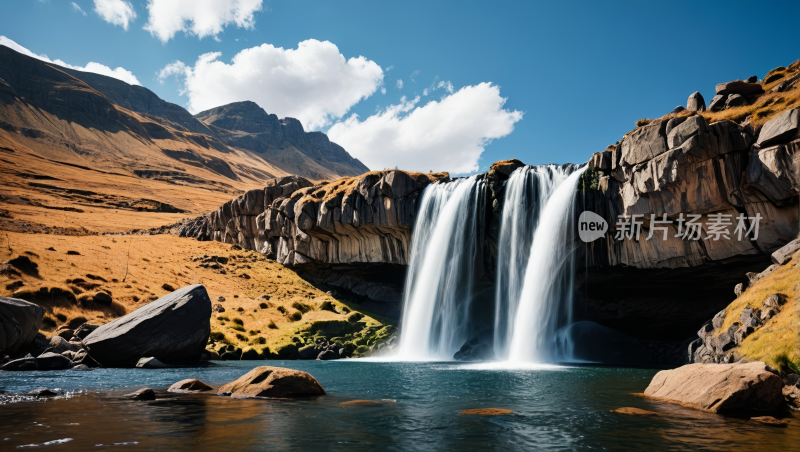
[(250, 354), (362, 349), (334, 328), (234, 355), (355, 317), (287, 351)]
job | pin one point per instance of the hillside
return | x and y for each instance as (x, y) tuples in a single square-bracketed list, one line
[(81, 150)]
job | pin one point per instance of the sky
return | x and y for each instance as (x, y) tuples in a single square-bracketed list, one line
[(422, 85)]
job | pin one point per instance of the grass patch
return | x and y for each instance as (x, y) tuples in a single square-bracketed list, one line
[(643, 122), (237, 328), (781, 334)]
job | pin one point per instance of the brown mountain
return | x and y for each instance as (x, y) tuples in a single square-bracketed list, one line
[(88, 145)]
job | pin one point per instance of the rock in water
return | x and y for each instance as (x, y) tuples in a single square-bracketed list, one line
[(719, 387), (151, 363), (142, 394), (190, 385), (174, 329), (53, 361), (19, 323), (273, 382)]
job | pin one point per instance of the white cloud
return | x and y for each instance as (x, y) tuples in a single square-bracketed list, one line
[(383, 90), (200, 18), (313, 83), (97, 68), (399, 84), (77, 7), (414, 74), (115, 12), (446, 135)]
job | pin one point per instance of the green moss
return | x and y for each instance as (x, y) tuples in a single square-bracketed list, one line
[(589, 181)]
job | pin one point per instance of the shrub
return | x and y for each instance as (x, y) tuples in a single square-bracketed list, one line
[(48, 323), (643, 122), (296, 316), (240, 337), (223, 317), (258, 341), (238, 321), (237, 327), (61, 317), (218, 336), (281, 309), (272, 325), (355, 317), (785, 364), (327, 306), (302, 307), (263, 305)]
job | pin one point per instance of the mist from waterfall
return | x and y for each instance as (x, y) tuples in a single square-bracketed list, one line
[(445, 249), (545, 299), (527, 193)]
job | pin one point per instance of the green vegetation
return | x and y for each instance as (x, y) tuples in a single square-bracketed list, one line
[(272, 325), (296, 316), (237, 327), (355, 317), (281, 309), (785, 364), (302, 307), (238, 321), (589, 181), (218, 336)]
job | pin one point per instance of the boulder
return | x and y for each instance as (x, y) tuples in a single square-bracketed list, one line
[(151, 363), (174, 329), (739, 87), (328, 355), (696, 102), (478, 347), (276, 382), (27, 363), (19, 323), (678, 109), (84, 330), (42, 392), (65, 333), (58, 344), (718, 102), (781, 129), (719, 387), (784, 254), (190, 385), (736, 100), (308, 352), (752, 79), (142, 394), (53, 361)]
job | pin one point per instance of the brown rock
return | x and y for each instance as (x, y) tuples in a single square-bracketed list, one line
[(142, 394), (190, 385), (634, 411), (486, 411), (366, 402), (718, 387), (769, 420), (276, 382), (739, 87)]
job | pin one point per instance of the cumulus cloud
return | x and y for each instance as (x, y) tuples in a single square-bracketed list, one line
[(77, 8), (446, 135), (313, 83), (200, 18), (383, 90), (97, 68), (115, 12), (399, 84)]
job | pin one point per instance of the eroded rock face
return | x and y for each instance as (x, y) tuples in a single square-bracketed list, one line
[(719, 387), (173, 329), (276, 382), (19, 322)]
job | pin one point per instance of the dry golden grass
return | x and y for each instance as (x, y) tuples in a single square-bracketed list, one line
[(327, 190), (781, 334), (166, 259)]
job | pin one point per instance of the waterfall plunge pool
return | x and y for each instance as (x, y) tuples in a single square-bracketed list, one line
[(554, 408)]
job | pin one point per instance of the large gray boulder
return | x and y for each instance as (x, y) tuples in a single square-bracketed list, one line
[(19, 322), (174, 329), (718, 102), (739, 87), (696, 102), (781, 129), (784, 254)]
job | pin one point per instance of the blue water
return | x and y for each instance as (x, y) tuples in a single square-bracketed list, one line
[(555, 408)]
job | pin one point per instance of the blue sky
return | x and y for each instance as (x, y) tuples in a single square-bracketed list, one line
[(575, 76)]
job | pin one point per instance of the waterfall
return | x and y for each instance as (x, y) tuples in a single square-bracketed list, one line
[(446, 247), (544, 303), (527, 191)]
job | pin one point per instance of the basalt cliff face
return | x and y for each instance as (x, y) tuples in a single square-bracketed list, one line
[(680, 166), (352, 235)]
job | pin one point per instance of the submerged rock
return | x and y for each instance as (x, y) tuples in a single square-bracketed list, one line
[(151, 363), (769, 420), (19, 323), (27, 363), (634, 411), (174, 329), (142, 394), (486, 411), (273, 382), (719, 387)]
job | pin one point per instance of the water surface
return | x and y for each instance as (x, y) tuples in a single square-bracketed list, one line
[(555, 408)]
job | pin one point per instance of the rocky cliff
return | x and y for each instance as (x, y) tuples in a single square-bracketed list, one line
[(351, 234)]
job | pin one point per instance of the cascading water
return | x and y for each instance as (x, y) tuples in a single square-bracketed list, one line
[(545, 300), (445, 249)]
